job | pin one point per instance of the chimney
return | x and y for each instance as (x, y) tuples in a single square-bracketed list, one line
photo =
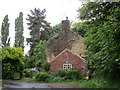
[(65, 25)]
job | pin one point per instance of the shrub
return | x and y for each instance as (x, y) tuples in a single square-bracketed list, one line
[(61, 73), (26, 72), (58, 79), (42, 76), (51, 78), (72, 75), (12, 60), (7, 74), (46, 66)]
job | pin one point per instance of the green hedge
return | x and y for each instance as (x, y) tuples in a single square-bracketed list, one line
[(60, 76), (42, 76)]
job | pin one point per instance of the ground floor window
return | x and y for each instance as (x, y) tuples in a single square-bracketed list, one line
[(67, 66)]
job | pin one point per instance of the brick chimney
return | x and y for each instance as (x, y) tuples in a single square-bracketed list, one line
[(65, 24)]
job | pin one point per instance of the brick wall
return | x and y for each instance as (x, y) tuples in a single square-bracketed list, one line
[(76, 61)]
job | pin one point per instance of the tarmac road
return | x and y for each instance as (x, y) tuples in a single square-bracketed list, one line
[(14, 85), (17, 85)]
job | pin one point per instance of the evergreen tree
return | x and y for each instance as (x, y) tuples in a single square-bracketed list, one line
[(5, 31), (38, 27), (19, 38)]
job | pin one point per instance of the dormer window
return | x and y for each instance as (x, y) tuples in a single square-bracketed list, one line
[(67, 66)]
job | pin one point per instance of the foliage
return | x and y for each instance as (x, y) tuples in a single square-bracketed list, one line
[(72, 75), (56, 79), (26, 72), (80, 28), (37, 26), (7, 74), (100, 82), (38, 57), (60, 76), (29, 62), (61, 73), (47, 77), (54, 30), (68, 75), (39, 51), (102, 36), (12, 60), (42, 76), (5, 31), (46, 66), (19, 38)]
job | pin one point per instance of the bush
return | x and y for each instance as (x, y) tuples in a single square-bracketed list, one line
[(50, 79), (12, 60), (42, 76), (46, 66), (60, 76), (53, 78), (61, 73), (72, 75), (26, 72), (7, 74), (68, 75), (58, 79)]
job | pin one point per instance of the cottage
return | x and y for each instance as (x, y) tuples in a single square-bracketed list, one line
[(65, 50), (67, 60), (65, 39)]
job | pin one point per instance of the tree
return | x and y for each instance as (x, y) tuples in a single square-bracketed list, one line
[(102, 36), (19, 38), (5, 31), (38, 58), (11, 61), (55, 29), (37, 25), (80, 28)]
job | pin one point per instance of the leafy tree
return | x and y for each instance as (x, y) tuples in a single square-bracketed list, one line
[(5, 31), (37, 26), (46, 66), (19, 38), (80, 28), (11, 61), (102, 36), (54, 30), (38, 58)]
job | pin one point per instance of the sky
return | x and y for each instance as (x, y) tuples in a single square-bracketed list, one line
[(56, 11)]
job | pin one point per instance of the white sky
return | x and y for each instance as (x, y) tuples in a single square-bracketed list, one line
[(56, 10)]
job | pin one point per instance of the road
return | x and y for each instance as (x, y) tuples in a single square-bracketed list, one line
[(15, 85), (20, 85)]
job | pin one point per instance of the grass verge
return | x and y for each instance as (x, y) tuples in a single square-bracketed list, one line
[(96, 83)]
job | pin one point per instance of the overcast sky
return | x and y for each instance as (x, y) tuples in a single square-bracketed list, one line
[(56, 10)]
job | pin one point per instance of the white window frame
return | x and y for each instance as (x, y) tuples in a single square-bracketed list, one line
[(67, 66)]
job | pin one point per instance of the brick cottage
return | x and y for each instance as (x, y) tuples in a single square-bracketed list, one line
[(67, 60)]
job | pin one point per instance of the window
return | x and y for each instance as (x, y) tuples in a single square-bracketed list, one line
[(67, 66)]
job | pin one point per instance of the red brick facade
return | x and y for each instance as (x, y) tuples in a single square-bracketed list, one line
[(77, 62)]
